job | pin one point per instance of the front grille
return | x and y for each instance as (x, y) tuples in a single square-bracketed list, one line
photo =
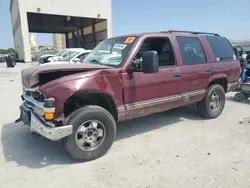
[(29, 104), (35, 95)]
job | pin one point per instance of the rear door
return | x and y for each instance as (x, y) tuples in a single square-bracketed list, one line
[(195, 68)]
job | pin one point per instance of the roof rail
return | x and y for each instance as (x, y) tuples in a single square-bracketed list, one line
[(191, 32)]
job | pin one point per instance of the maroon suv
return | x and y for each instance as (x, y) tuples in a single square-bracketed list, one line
[(123, 78)]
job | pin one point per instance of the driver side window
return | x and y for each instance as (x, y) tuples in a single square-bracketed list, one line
[(162, 46)]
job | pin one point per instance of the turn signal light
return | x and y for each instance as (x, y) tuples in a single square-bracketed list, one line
[(49, 116)]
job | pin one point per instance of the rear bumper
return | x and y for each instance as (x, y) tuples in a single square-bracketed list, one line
[(232, 86)]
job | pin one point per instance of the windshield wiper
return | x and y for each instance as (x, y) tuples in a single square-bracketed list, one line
[(99, 63), (96, 62)]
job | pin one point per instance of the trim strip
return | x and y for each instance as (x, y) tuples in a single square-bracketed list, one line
[(193, 94), (158, 101), (121, 109), (153, 102)]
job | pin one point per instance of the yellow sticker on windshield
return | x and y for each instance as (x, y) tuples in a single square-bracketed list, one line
[(129, 40)]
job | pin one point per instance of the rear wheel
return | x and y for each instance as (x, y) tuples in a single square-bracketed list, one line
[(94, 131), (213, 103), (239, 97)]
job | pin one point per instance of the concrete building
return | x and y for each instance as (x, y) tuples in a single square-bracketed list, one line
[(84, 22), (33, 43), (59, 41)]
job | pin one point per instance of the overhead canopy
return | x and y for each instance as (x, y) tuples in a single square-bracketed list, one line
[(48, 23)]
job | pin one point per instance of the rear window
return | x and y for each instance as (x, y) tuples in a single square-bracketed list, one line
[(222, 49)]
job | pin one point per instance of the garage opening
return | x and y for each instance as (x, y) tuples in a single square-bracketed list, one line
[(79, 32)]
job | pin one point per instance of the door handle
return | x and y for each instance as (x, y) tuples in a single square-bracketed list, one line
[(177, 75), (208, 70)]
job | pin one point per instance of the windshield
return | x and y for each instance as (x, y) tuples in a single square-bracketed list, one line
[(69, 55), (111, 52), (59, 53)]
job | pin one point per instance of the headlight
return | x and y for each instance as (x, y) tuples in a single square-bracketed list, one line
[(49, 103)]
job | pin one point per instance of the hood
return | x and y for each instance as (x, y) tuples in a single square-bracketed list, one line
[(30, 76)]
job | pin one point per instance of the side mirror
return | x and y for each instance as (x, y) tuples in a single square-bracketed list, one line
[(150, 62), (77, 60)]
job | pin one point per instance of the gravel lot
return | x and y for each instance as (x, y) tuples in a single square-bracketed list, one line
[(170, 149)]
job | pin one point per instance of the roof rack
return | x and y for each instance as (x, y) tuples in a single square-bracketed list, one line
[(191, 32)]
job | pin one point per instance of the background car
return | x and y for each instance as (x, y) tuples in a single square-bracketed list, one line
[(55, 57), (2, 58), (71, 57), (242, 51)]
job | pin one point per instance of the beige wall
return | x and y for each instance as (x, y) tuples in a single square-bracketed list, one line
[(79, 8)]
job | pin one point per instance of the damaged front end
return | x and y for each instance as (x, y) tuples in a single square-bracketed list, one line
[(39, 114), (45, 88)]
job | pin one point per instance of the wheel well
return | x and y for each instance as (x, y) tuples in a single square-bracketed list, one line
[(79, 100), (220, 81)]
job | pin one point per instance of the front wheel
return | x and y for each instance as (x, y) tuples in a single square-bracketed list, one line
[(94, 131), (213, 103)]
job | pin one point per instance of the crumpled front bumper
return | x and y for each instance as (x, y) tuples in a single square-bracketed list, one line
[(52, 133), (31, 115)]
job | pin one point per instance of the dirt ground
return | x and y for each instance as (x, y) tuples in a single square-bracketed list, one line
[(171, 149)]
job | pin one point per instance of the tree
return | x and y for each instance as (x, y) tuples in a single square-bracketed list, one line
[(7, 51)]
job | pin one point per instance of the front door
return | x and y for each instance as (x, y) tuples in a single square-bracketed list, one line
[(145, 94)]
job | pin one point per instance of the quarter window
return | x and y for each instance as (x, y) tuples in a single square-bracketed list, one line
[(221, 48), (191, 50)]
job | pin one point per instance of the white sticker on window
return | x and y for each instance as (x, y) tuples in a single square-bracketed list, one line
[(120, 46)]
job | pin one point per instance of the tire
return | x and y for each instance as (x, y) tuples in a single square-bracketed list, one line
[(77, 118), (204, 106), (239, 97)]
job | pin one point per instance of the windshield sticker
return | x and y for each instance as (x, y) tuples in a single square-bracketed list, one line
[(120, 46), (129, 40)]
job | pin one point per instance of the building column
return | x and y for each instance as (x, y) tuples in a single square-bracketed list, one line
[(25, 34), (109, 21), (93, 32)]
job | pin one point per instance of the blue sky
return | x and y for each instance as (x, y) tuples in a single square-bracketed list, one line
[(225, 17)]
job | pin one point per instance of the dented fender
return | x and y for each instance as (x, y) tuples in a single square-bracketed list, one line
[(100, 81)]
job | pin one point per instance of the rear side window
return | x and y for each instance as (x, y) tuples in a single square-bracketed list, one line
[(222, 49), (191, 50)]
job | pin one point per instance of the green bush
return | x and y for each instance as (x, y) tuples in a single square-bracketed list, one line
[(7, 51)]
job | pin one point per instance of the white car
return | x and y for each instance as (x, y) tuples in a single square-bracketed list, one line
[(71, 57), (58, 56), (64, 54)]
